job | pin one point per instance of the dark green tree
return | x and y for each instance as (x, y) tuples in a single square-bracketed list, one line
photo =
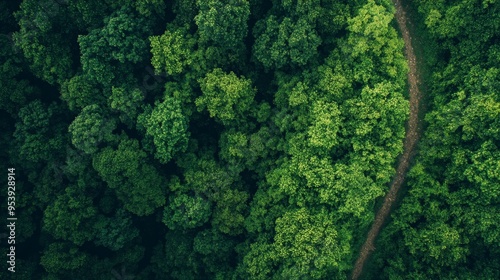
[(223, 23), (69, 215), (167, 126), (38, 133), (45, 39), (115, 232), (91, 128), (186, 212), (62, 257), (283, 43), (137, 184), (127, 101), (107, 54), (80, 91)]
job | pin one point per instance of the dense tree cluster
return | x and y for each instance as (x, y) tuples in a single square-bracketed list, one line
[(447, 226), (243, 139)]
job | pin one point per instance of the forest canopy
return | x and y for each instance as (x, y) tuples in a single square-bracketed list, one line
[(245, 139)]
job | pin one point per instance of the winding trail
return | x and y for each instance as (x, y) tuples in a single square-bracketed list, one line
[(410, 141)]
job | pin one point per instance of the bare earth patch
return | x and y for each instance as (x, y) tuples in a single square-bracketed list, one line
[(410, 141)]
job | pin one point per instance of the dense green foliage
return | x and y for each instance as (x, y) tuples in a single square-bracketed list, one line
[(448, 224), (243, 139)]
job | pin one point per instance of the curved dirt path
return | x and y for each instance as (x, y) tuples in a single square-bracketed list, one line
[(410, 142)]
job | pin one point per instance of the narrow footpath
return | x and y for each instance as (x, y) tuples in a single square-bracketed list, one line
[(410, 141)]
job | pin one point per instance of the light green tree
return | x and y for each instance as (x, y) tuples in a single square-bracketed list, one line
[(227, 97), (173, 51)]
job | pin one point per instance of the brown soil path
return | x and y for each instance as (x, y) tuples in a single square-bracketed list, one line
[(410, 142)]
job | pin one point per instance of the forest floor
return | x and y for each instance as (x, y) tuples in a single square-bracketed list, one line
[(410, 142)]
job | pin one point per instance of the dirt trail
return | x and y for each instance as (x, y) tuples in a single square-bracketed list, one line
[(410, 142)]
